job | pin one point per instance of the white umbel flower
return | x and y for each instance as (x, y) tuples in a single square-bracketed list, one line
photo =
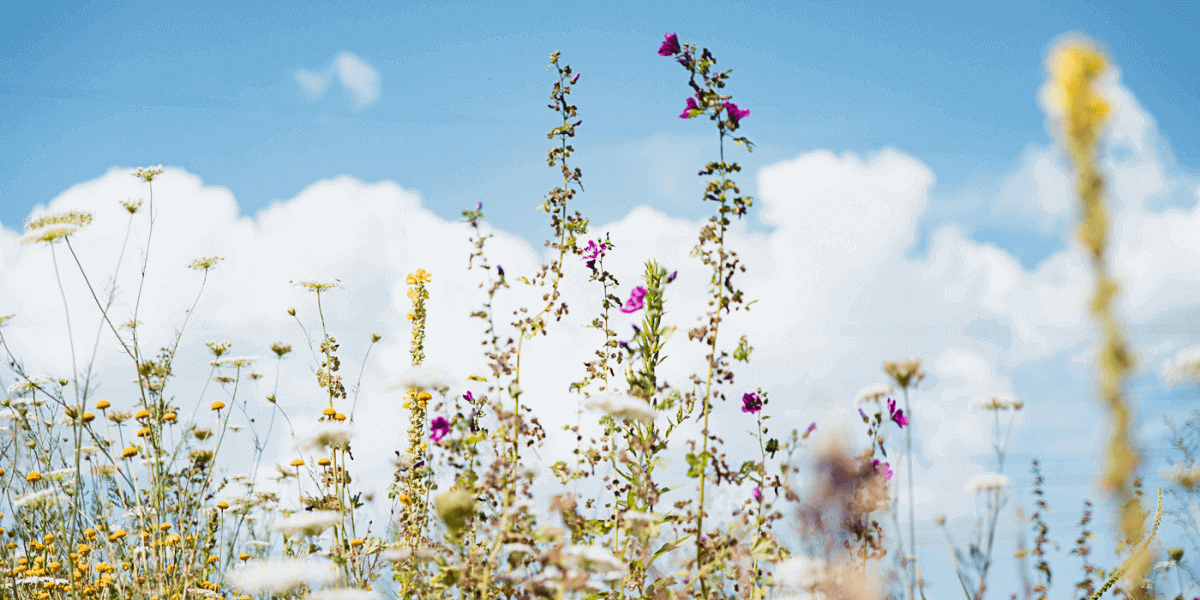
[(309, 523), (593, 559), (324, 435), (997, 402), (422, 378), (319, 284), (280, 576), (343, 594), (1185, 364), (623, 406), (987, 481), (800, 572), (872, 393)]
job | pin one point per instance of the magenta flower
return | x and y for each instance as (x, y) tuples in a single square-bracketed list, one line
[(671, 277), (735, 114), (757, 493), (574, 78), (751, 403), (810, 429), (897, 415), (863, 415), (439, 428), (593, 252), (670, 46), (887, 469), (691, 105), (469, 397), (636, 300), (685, 59)]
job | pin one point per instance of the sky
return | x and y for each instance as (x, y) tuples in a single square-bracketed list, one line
[(911, 200)]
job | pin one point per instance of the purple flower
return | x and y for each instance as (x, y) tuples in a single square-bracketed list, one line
[(897, 415), (469, 397), (863, 415), (670, 46), (687, 579), (887, 469), (439, 428), (479, 206), (575, 78), (757, 493), (593, 252), (685, 59), (500, 270), (636, 300), (751, 403), (810, 429), (691, 105), (735, 114), (671, 277)]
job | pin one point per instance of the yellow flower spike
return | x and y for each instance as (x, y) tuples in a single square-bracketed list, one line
[(129, 452), (103, 404), (329, 411), (217, 405), (33, 477), (296, 462), (141, 414), (222, 505), (324, 462)]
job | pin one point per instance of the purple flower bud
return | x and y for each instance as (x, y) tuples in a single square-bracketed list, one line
[(756, 493), (863, 415), (500, 270), (575, 78), (670, 46), (671, 277)]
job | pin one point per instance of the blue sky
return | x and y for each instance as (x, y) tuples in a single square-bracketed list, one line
[(936, 104)]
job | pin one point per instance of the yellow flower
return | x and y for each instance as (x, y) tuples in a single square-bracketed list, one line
[(129, 452), (296, 462), (222, 505), (33, 477), (103, 404), (244, 556), (143, 432), (169, 417), (324, 462), (141, 414), (329, 411), (339, 417), (88, 417), (406, 500), (218, 405)]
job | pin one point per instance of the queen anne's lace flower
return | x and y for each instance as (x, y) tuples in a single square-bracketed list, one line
[(987, 481), (421, 378), (873, 393), (593, 559), (280, 576), (997, 402), (623, 406), (308, 523), (326, 434)]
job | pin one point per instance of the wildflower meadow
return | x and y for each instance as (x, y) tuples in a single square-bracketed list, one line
[(139, 488)]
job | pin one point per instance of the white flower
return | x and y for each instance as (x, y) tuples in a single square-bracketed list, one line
[(234, 361), (1187, 477), (257, 544), (10, 413), (395, 555), (104, 469), (59, 474), (801, 572), (342, 594), (280, 576), (324, 435), (987, 481), (202, 592), (423, 379), (593, 559), (1185, 364), (518, 549), (42, 580), (24, 386), (48, 234), (872, 393), (36, 498), (319, 284), (88, 449), (309, 523), (997, 402), (623, 406)]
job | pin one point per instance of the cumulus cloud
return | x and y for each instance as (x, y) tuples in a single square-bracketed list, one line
[(356, 75)]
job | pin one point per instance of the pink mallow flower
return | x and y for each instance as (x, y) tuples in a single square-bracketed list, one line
[(592, 252), (691, 105), (439, 428), (897, 415), (670, 46), (887, 469), (751, 403), (735, 114), (636, 300)]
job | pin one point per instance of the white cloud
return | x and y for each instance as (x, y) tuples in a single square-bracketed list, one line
[(357, 76)]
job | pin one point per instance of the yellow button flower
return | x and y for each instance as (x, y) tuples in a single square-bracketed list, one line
[(218, 405)]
